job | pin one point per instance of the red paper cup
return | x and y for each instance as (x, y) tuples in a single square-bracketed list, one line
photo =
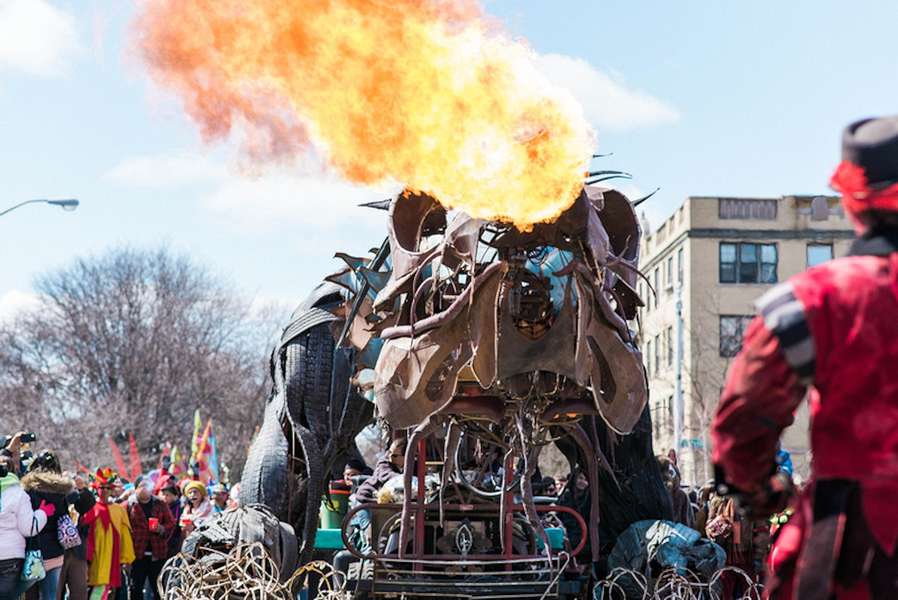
[(154, 524)]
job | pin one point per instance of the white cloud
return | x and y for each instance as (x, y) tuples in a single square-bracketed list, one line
[(36, 37), (286, 198), (316, 206), (167, 170), (14, 302), (609, 104)]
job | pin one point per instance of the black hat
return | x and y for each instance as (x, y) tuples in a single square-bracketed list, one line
[(357, 464), (45, 461), (872, 144)]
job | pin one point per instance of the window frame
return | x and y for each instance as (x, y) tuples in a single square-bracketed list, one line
[(680, 258), (807, 252), (738, 267), (668, 273), (648, 358), (731, 349), (668, 333)]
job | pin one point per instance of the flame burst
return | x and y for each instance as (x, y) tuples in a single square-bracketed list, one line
[(421, 92)]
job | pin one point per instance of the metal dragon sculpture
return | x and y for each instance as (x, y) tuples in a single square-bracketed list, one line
[(473, 330)]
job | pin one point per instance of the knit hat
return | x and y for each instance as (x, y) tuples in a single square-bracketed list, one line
[(195, 485)]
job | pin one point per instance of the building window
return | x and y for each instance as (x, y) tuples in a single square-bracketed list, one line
[(657, 354), (668, 334), (747, 263), (680, 266), (819, 253), (746, 208), (731, 329), (668, 273), (657, 283), (668, 414), (663, 347), (648, 359)]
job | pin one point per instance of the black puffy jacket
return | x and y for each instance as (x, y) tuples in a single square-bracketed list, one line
[(52, 488)]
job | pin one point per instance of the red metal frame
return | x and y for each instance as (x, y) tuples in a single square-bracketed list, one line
[(508, 515), (420, 509), (462, 508)]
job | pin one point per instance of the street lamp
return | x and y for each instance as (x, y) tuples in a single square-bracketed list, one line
[(68, 204)]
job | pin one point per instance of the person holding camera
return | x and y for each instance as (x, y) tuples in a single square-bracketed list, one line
[(45, 483), (11, 446), (18, 520)]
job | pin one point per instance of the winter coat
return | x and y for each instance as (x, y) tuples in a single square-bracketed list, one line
[(197, 515), (52, 488), (17, 519), (83, 501), (109, 544), (829, 335), (145, 540), (383, 472)]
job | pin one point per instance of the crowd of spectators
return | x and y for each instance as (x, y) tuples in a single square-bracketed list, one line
[(92, 534)]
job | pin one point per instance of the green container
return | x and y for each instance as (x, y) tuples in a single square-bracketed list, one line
[(329, 539), (333, 508), (556, 539)]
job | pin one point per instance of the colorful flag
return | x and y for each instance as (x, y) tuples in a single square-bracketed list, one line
[(201, 458), (134, 457), (117, 456), (176, 467), (206, 457), (213, 455), (195, 442)]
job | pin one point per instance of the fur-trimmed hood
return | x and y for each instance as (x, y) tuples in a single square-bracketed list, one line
[(47, 482)]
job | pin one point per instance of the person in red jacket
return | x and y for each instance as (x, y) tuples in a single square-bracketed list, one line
[(829, 334), (152, 525)]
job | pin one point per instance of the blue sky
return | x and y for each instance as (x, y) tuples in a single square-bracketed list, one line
[(697, 98)]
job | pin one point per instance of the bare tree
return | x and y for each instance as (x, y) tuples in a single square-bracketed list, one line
[(702, 381), (134, 340)]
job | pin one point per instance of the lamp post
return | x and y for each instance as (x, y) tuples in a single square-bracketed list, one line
[(68, 204)]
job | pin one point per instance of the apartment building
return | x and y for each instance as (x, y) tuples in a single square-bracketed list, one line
[(707, 264)]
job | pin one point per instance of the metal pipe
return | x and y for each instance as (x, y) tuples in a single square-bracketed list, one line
[(419, 505), (678, 385)]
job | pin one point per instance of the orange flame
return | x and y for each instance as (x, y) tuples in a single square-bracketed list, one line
[(421, 92)]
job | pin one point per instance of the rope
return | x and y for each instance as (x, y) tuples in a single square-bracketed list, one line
[(671, 585), (247, 571)]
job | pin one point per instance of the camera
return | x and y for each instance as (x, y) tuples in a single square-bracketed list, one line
[(27, 438)]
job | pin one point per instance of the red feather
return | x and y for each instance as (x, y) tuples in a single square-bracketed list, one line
[(136, 469)]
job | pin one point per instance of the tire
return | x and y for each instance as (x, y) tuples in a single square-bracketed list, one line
[(265, 474), (308, 367)]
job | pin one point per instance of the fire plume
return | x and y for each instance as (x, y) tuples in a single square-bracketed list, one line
[(427, 93)]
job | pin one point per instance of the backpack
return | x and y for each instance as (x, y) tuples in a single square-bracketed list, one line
[(67, 533)]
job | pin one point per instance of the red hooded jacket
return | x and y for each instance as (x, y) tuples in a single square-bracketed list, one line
[(831, 331)]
